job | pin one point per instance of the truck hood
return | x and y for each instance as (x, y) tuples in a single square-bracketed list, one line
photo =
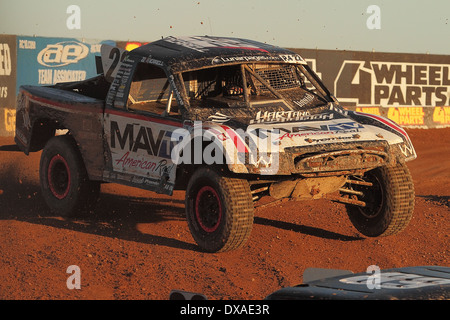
[(298, 134), (297, 129)]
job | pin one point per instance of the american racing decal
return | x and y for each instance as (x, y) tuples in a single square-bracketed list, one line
[(140, 147)]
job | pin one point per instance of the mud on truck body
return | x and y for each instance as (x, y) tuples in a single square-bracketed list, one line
[(227, 120)]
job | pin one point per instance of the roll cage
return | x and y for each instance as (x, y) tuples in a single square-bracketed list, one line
[(295, 85)]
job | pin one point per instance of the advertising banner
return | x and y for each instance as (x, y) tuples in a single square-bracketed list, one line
[(411, 89), (41, 61), (47, 61), (8, 64)]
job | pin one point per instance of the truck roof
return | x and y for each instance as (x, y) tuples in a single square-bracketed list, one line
[(188, 53)]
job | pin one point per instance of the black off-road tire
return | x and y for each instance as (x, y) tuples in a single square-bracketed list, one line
[(65, 185), (219, 210), (389, 202)]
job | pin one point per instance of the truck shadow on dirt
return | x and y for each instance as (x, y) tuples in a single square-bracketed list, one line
[(10, 148), (439, 200), (306, 230), (117, 216)]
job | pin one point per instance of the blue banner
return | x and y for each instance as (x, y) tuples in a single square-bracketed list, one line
[(47, 61)]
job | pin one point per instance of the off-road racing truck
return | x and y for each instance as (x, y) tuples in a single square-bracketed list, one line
[(227, 120)]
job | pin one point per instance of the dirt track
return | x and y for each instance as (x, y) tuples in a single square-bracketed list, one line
[(138, 246)]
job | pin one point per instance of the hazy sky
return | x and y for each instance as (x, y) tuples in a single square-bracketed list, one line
[(414, 26)]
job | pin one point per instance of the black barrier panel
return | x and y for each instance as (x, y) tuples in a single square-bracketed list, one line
[(8, 77)]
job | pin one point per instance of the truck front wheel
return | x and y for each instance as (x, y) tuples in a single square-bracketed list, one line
[(219, 210), (389, 201), (65, 185)]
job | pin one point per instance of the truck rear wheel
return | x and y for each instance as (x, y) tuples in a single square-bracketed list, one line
[(389, 201), (219, 210), (65, 185)]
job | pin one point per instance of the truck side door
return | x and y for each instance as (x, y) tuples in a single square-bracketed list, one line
[(139, 119)]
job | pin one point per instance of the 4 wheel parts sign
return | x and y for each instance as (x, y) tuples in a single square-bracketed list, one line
[(410, 89)]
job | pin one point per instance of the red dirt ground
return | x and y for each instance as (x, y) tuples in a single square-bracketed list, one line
[(138, 246)]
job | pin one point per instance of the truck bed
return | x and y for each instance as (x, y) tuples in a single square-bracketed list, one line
[(43, 110), (58, 96)]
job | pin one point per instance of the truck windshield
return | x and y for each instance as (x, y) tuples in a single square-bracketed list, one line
[(223, 87)]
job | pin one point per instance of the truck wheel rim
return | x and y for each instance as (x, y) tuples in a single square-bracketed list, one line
[(208, 209), (59, 178), (375, 199)]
